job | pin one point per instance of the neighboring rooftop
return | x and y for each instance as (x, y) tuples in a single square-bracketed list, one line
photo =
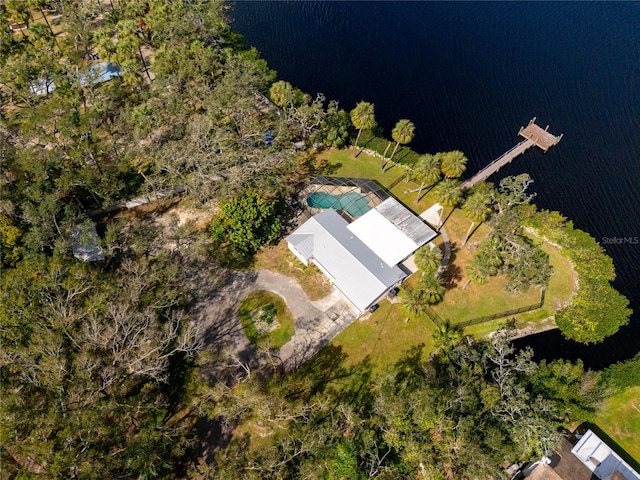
[(544, 472), (598, 457), (85, 242), (100, 73), (589, 459), (97, 73)]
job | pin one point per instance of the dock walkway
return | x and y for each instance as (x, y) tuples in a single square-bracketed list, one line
[(534, 135)]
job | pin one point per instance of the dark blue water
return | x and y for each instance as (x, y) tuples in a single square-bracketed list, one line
[(469, 75)]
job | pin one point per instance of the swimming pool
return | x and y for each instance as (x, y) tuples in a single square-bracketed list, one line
[(353, 203)]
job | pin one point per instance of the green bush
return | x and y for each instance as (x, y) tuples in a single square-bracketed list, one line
[(622, 375), (598, 310), (247, 222)]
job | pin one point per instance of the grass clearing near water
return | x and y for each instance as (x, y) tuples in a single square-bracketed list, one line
[(475, 300), (262, 309), (619, 418), (384, 337)]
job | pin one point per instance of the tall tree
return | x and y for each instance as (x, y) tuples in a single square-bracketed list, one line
[(363, 117), (431, 288), (413, 302), (282, 94), (448, 193), (247, 222), (446, 337), (426, 171), (453, 164), (402, 133), (477, 208), (428, 258), (478, 270), (492, 254)]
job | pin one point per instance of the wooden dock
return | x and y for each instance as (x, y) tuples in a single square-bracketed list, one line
[(534, 135)]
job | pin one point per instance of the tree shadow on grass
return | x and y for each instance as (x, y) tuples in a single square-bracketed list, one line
[(410, 368), (451, 277), (327, 372), (452, 274), (332, 168)]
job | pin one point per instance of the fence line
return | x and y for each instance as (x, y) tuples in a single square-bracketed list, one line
[(435, 318)]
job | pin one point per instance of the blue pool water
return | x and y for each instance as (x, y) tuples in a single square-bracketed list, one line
[(353, 203)]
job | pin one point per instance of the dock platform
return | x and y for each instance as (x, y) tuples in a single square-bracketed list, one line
[(533, 134)]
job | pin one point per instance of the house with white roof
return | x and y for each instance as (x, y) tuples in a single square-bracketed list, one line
[(598, 457), (362, 258), (580, 457)]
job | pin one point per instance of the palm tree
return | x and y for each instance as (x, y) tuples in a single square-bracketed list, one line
[(281, 93), (413, 303), (426, 171), (478, 271), (431, 288), (448, 193), (402, 133), (477, 209), (490, 254), (446, 337), (363, 118), (453, 163), (428, 258)]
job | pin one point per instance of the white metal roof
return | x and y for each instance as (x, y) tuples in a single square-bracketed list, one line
[(303, 243), (355, 269), (600, 459), (381, 236), (392, 231), (406, 221)]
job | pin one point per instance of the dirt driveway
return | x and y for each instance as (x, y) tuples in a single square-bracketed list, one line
[(215, 313)]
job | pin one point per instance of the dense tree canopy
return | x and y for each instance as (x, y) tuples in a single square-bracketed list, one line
[(465, 413), (99, 362)]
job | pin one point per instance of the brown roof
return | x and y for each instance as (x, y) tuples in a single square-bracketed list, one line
[(544, 472), (570, 467)]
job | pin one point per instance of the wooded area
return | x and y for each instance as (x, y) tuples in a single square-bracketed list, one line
[(102, 374)]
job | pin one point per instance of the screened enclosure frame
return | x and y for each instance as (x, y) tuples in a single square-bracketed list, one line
[(353, 196)]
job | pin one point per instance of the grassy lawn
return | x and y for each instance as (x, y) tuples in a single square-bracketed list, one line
[(473, 300), (279, 258), (619, 418), (262, 309), (384, 337), (479, 300)]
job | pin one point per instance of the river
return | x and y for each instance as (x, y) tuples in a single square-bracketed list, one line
[(469, 74)]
